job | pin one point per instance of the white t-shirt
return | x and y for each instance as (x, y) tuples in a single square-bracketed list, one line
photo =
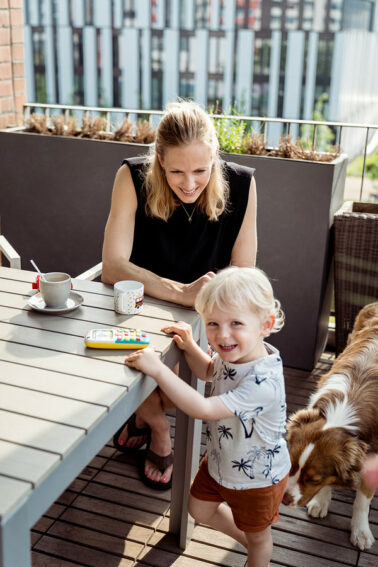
[(249, 450)]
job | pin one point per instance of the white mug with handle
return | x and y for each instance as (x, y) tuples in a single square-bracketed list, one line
[(128, 297)]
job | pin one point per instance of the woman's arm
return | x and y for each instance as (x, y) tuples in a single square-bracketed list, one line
[(245, 247), (182, 395), (118, 244)]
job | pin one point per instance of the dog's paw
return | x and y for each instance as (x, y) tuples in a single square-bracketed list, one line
[(317, 509), (362, 537), (318, 506)]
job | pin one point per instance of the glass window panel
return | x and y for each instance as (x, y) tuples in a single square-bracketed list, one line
[(201, 14), (216, 54), (186, 88), (78, 94), (38, 39), (215, 95), (157, 52), (129, 13)]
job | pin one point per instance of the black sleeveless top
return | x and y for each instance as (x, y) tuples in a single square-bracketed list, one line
[(181, 250)]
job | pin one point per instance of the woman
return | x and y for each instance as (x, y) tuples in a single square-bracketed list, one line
[(175, 218)]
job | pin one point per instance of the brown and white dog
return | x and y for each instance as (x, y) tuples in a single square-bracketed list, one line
[(330, 439)]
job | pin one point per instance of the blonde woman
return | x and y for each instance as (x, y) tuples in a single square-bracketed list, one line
[(176, 218)]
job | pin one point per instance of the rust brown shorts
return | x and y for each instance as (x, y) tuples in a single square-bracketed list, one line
[(253, 510)]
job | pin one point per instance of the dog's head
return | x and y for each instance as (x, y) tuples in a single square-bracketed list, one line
[(367, 318), (320, 457)]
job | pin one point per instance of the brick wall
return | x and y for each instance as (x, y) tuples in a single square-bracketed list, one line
[(12, 69)]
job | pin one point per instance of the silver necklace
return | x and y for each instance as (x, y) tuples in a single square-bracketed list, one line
[(190, 216)]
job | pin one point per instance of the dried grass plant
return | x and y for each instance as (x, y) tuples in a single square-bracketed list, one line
[(71, 127), (93, 127), (295, 150), (59, 126), (256, 145), (125, 132), (144, 133), (38, 124)]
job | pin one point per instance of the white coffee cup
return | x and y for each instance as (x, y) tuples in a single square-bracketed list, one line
[(55, 288), (128, 297)]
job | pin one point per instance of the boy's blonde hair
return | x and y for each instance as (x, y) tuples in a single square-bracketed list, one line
[(184, 123), (241, 288)]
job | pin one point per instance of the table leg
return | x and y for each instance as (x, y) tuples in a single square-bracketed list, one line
[(186, 459), (15, 541)]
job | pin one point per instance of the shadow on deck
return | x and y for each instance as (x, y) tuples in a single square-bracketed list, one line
[(108, 518)]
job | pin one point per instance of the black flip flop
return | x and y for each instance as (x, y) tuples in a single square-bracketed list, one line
[(133, 431), (161, 462)]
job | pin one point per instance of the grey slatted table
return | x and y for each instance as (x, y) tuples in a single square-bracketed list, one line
[(61, 402)]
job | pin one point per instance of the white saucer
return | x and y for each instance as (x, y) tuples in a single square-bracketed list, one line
[(37, 302)]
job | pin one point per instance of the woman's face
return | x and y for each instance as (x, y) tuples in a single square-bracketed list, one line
[(187, 169)]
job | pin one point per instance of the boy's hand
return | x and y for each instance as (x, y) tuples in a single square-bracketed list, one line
[(146, 360), (183, 334)]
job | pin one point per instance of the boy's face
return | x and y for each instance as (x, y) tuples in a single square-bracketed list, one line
[(237, 336)]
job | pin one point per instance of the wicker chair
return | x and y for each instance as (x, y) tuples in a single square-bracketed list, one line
[(356, 264)]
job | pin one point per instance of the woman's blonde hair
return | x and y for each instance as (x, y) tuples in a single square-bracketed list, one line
[(184, 123), (241, 288)]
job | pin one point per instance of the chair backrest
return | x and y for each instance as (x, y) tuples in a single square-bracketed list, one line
[(10, 253)]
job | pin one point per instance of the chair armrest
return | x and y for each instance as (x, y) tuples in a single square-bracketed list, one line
[(92, 273), (10, 253)]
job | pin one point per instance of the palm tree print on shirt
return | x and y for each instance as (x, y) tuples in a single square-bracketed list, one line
[(229, 373), (245, 467), (270, 454), (244, 417), (260, 379), (225, 433)]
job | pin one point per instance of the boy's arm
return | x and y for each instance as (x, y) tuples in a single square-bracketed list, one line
[(199, 362), (182, 395)]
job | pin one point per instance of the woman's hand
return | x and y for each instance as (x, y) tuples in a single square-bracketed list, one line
[(182, 334), (190, 291), (146, 360)]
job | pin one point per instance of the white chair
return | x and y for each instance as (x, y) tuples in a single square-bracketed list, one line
[(92, 273), (10, 253)]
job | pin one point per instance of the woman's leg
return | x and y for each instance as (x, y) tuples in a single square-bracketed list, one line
[(217, 515), (152, 413), (260, 547)]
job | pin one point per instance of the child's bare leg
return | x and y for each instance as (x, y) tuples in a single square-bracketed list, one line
[(260, 547), (217, 515)]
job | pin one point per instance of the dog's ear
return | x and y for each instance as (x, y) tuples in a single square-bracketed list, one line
[(303, 417), (349, 459)]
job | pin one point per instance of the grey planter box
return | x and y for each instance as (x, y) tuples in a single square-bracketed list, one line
[(296, 202), (55, 198)]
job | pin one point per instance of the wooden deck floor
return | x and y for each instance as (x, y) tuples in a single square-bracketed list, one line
[(108, 518)]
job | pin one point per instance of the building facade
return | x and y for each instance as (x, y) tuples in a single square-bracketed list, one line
[(271, 58)]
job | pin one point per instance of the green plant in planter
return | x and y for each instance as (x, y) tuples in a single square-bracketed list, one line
[(238, 137), (231, 131)]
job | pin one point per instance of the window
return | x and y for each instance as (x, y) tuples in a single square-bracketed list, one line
[(38, 39)]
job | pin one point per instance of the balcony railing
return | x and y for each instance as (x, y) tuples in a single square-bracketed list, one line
[(287, 125)]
